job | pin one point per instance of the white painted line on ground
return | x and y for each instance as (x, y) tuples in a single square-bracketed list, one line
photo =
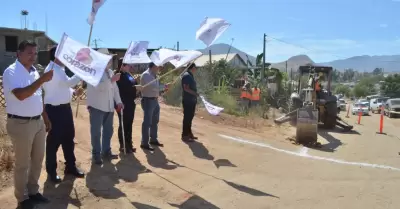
[(303, 153)]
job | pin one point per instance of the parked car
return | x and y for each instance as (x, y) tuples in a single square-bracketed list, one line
[(376, 104), (363, 101), (360, 107), (392, 107), (341, 105)]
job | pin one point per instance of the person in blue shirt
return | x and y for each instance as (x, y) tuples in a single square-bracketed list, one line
[(189, 101), (127, 91)]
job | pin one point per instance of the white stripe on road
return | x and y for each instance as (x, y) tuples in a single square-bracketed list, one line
[(303, 153)]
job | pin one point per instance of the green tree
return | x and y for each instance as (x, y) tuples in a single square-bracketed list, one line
[(391, 86), (377, 71), (366, 86), (348, 74), (342, 89)]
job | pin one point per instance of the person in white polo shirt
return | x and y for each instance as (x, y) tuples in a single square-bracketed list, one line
[(27, 123), (57, 97), (101, 101)]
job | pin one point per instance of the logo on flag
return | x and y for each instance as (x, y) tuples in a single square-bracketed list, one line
[(84, 62), (83, 56), (177, 57), (210, 29), (96, 4), (137, 53), (134, 51)]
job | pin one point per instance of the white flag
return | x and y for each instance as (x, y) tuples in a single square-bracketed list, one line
[(96, 4), (210, 29), (183, 57), (137, 53), (86, 63), (162, 56), (177, 58), (212, 109)]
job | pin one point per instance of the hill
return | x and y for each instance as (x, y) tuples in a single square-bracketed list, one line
[(224, 48), (390, 63), (293, 63)]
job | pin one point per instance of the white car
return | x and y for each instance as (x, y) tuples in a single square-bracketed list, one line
[(341, 105), (376, 104), (360, 107)]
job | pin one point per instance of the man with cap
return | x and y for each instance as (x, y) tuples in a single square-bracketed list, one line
[(127, 90), (189, 101), (151, 109), (57, 99), (100, 102)]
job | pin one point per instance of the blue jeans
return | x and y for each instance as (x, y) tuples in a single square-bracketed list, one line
[(101, 125), (151, 110)]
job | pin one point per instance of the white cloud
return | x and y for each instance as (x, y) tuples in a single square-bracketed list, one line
[(383, 25)]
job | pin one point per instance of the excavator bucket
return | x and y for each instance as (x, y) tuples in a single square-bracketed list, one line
[(307, 125)]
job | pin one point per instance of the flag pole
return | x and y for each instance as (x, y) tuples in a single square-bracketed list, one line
[(79, 97), (168, 74)]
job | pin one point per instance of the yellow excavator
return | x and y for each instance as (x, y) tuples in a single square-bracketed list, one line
[(313, 106)]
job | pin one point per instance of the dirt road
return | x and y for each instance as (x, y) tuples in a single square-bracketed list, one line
[(232, 167)]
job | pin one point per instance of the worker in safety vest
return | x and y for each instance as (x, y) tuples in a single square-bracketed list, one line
[(245, 95), (255, 96)]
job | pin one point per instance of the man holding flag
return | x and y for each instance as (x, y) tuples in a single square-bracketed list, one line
[(57, 98), (100, 102), (189, 101), (151, 109)]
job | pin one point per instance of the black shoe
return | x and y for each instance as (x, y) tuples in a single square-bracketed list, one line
[(193, 137), (128, 150), (26, 204), (97, 160), (110, 156), (38, 198), (147, 147), (54, 178), (187, 139), (74, 172), (156, 143)]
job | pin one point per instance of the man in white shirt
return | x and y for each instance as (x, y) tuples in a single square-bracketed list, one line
[(27, 123), (57, 98), (100, 102)]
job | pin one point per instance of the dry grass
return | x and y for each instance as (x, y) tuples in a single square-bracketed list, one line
[(6, 153)]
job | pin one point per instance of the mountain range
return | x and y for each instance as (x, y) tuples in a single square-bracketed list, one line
[(390, 63)]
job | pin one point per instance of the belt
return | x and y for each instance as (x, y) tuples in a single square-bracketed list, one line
[(151, 98), (60, 105), (23, 117)]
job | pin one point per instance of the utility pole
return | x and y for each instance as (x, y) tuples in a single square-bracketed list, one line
[(263, 64), (286, 66), (177, 46), (96, 43), (229, 50)]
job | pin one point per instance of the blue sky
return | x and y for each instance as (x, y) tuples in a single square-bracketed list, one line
[(330, 29)]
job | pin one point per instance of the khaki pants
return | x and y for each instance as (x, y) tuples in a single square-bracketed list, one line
[(28, 138)]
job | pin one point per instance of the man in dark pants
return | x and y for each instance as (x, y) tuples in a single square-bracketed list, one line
[(57, 98), (127, 91), (189, 101)]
